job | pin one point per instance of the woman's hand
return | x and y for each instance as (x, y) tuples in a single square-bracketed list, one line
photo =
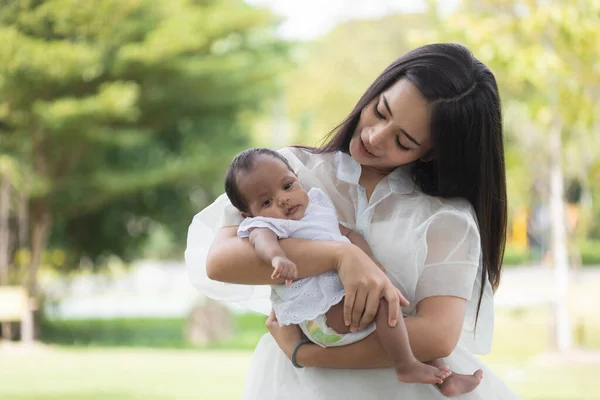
[(287, 337), (364, 285)]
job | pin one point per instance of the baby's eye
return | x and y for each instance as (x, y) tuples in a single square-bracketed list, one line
[(288, 185), (266, 203)]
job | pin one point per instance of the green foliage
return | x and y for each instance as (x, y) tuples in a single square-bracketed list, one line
[(114, 332), (589, 250), (144, 332), (125, 110), (515, 257), (544, 57), (249, 328)]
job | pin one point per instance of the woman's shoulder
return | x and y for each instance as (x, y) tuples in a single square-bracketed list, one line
[(313, 169), (451, 211), (303, 156)]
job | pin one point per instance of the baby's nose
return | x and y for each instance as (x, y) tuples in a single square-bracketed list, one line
[(283, 200)]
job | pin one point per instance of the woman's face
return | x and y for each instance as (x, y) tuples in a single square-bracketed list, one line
[(393, 129)]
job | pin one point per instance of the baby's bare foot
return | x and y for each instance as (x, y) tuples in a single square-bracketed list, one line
[(417, 372), (460, 384)]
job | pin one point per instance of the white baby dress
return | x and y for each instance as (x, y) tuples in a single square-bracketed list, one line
[(305, 299)]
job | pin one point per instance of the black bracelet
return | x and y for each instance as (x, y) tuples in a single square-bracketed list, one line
[(300, 343)]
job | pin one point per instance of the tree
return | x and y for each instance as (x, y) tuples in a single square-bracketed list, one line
[(543, 55), (6, 183), (338, 67), (111, 103)]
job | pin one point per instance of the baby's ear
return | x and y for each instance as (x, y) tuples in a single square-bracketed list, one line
[(245, 215)]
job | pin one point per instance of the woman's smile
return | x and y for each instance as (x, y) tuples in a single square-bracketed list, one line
[(365, 149)]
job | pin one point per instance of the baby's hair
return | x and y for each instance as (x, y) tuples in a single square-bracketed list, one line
[(244, 162)]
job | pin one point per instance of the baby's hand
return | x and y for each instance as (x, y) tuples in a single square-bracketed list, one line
[(284, 268)]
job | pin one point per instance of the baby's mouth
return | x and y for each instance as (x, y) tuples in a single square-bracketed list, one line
[(292, 210)]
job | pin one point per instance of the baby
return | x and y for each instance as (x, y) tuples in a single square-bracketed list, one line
[(262, 185)]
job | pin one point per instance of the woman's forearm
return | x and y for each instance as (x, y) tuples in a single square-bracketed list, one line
[(425, 342), (234, 260)]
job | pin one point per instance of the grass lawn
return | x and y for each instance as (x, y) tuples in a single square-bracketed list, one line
[(121, 374), (79, 373)]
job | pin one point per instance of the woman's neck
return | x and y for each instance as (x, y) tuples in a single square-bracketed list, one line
[(369, 178)]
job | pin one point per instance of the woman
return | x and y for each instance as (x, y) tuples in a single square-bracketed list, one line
[(418, 169)]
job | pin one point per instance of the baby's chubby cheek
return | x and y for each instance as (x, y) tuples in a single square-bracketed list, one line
[(305, 199)]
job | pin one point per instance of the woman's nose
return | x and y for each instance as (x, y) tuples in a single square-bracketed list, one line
[(377, 136)]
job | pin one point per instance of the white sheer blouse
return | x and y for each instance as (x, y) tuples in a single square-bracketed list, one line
[(429, 246)]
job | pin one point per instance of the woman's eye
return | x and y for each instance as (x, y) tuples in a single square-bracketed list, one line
[(376, 111), (400, 145), (266, 203), (288, 185)]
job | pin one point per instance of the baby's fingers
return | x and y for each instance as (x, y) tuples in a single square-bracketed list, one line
[(289, 273), (276, 273), (293, 272)]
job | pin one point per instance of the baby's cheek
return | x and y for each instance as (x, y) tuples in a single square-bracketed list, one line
[(304, 199), (272, 213)]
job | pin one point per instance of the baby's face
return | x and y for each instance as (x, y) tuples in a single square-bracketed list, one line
[(272, 190)]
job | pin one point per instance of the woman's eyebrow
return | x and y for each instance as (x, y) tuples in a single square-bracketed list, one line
[(409, 137)]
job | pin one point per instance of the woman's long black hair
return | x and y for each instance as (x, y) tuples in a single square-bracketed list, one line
[(466, 129)]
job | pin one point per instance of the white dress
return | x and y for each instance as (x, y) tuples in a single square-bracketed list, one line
[(428, 246)]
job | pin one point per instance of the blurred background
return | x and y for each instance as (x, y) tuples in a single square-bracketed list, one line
[(118, 119)]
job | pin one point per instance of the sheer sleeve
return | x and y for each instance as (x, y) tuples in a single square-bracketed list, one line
[(317, 196), (278, 227), (452, 256), (452, 267), (201, 234)]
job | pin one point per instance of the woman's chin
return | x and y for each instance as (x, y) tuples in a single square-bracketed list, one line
[(360, 158), (355, 151)]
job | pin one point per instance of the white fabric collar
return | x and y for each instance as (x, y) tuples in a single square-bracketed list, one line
[(348, 170)]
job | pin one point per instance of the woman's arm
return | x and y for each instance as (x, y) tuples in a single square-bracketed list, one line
[(433, 333), (233, 260), (356, 239)]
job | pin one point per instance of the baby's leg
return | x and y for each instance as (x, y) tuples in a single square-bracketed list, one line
[(335, 318), (395, 342), (457, 384)]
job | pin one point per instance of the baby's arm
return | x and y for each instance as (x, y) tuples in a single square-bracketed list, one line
[(359, 241), (266, 245)]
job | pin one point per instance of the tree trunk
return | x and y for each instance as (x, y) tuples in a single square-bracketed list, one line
[(4, 243), (41, 223), (22, 216), (4, 232), (209, 323), (562, 335)]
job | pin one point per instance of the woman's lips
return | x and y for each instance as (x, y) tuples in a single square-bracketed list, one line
[(364, 148)]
